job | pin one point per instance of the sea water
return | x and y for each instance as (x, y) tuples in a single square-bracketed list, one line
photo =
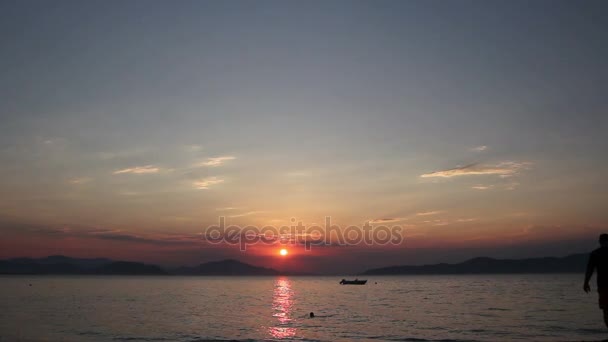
[(396, 308)]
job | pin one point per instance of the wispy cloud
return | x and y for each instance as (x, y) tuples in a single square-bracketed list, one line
[(469, 219), (249, 213), (113, 234), (216, 161), (122, 154), (504, 169), (226, 208), (80, 180), (386, 220), (118, 235), (138, 170), (55, 142), (480, 148), (429, 213), (482, 187), (443, 222), (507, 186), (205, 183), (192, 148), (438, 222)]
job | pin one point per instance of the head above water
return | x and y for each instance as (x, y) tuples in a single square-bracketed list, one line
[(604, 240)]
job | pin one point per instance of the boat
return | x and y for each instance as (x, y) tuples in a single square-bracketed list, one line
[(353, 282)]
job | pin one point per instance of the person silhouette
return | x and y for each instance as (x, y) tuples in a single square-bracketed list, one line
[(598, 260)]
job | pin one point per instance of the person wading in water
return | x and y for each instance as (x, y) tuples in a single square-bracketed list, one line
[(598, 260)]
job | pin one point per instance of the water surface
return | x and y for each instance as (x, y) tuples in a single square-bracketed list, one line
[(408, 308)]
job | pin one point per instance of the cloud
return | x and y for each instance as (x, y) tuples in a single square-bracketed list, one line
[(123, 237), (205, 183), (482, 187), (429, 213), (216, 161), (445, 222), (553, 231), (55, 142), (320, 243), (80, 180), (138, 170), (441, 223), (110, 234), (469, 219), (504, 169), (386, 220), (507, 186), (438, 222), (247, 214), (151, 239), (122, 154), (192, 148), (479, 148), (226, 208)]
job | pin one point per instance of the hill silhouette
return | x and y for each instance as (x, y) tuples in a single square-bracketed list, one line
[(129, 268), (229, 267), (59, 264), (483, 265)]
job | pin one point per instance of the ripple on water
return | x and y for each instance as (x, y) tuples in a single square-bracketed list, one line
[(438, 308)]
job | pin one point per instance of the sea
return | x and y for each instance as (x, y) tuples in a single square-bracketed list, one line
[(548, 307)]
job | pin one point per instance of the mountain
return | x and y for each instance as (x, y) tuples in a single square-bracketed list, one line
[(130, 268), (575, 263), (81, 262), (227, 267), (59, 264)]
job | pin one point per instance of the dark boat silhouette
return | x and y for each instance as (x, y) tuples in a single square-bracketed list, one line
[(353, 282)]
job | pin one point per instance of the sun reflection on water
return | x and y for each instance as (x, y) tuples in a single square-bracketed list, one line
[(282, 302)]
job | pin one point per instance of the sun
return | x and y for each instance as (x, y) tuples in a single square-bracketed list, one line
[(283, 252)]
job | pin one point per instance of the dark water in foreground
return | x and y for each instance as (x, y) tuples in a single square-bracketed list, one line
[(415, 308)]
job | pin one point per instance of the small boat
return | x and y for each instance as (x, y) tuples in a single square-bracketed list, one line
[(353, 282)]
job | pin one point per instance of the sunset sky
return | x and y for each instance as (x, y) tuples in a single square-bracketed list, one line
[(127, 127)]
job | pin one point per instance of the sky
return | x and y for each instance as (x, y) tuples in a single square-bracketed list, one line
[(129, 127)]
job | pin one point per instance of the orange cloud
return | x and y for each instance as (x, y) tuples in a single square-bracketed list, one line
[(138, 170), (504, 169)]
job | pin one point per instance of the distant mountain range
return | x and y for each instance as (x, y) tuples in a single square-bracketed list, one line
[(59, 264), (575, 263), (227, 267)]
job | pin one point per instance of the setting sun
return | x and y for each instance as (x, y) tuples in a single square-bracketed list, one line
[(283, 252)]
